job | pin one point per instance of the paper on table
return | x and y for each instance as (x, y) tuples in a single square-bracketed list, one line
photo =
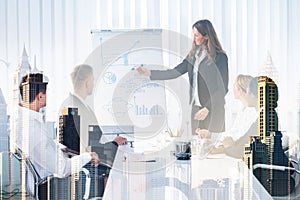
[(216, 156)]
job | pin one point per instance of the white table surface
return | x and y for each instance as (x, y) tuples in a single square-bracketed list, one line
[(215, 177)]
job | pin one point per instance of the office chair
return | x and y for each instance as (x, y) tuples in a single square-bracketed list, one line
[(295, 194), (33, 176)]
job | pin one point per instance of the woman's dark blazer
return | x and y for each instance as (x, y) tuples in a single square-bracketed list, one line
[(212, 85)]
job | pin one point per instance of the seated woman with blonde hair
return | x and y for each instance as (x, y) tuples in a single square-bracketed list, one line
[(244, 119)]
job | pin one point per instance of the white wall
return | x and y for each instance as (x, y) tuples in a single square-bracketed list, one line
[(58, 33)]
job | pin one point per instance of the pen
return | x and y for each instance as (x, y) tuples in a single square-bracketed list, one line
[(150, 161), (144, 161), (133, 68)]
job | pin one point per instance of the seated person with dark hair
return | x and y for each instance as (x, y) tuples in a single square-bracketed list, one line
[(31, 136)]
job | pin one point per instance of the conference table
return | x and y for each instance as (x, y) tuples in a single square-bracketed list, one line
[(157, 174)]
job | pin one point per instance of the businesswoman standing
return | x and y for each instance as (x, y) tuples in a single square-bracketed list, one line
[(207, 68)]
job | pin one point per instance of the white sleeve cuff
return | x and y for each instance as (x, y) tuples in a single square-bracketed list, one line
[(215, 136), (217, 139), (85, 158), (79, 161)]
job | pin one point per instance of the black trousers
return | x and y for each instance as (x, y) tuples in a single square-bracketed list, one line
[(61, 188)]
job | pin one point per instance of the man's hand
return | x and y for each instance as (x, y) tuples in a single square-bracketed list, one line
[(201, 114), (120, 140), (95, 159), (203, 133)]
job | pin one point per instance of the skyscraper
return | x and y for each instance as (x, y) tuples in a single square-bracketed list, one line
[(268, 69), (267, 99), (255, 152), (69, 128), (279, 182), (4, 124), (266, 148), (22, 69), (298, 115)]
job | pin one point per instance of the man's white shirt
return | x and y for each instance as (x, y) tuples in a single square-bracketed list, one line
[(46, 154)]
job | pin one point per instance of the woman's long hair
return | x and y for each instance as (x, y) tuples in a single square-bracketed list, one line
[(212, 44)]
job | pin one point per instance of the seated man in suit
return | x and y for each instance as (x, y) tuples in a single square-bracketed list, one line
[(83, 84)]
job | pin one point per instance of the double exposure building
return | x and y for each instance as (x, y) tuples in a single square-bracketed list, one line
[(4, 124), (266, 147)]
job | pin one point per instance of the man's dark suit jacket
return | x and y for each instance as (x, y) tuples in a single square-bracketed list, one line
[(212, 85), (106, 152)]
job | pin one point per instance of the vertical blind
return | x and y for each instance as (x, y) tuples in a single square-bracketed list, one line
[(58, 33)]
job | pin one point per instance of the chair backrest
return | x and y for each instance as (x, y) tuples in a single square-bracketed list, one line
[(10, 179), (33, 179)]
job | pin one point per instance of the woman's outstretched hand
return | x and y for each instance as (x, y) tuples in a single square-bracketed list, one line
[(143, 71)]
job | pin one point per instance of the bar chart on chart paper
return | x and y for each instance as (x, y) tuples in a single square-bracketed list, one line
[(145, 109)]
